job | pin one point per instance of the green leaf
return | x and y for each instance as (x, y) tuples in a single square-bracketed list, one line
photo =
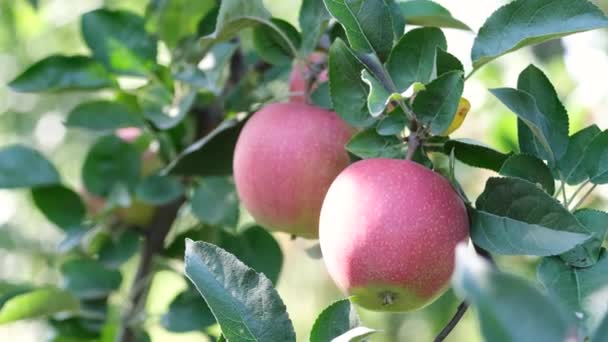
[(73, 237), (89, 279), (509, 308), (162, 107), (117, 250), (173, 20), (210, 76), (392, 124), (397, 19), (313, 20), (103, 116), (581, 290), (378, 97), (159, 190), (413, 58), (10, 287), (236, 15), (348, 92), (336, 31), (217, 146), (95, 314), (187, 312), (207, 24), (367, 23), (594, 159), (9, 290), (527, 22), (587, 253), (421, 157), (38, 303), (534, 82), (548, 133), (256, 248), (335, 320), (320, 97), (438, 103), (446, 62), (515, 217), (23, 167), (571, 163), (369, 144), (475, 154), (111, 163), (215, 202), (271, 46), (429, 13), (602, 330), (186, 225), (244, 302), (60, 205), (56, 73), (531, 169), (73, 329), (118, 39)]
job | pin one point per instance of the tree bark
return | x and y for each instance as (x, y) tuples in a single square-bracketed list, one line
[(154, 237)]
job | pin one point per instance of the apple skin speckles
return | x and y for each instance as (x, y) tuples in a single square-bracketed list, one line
[(285, 159), (391, 226)]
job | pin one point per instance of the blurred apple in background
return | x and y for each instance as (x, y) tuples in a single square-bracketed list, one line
[(138, 213), (301, 73)]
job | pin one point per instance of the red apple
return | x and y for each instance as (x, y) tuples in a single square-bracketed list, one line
[(299, 76), (388, 233), (129, 134), (138, 213), (286, 157)]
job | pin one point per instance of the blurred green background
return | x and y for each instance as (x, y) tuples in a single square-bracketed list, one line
[(577, 65)]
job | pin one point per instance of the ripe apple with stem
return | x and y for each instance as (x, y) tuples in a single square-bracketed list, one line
[(388, 233), (285, 158)]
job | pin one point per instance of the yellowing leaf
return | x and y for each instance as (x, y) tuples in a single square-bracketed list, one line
[(461, 113)]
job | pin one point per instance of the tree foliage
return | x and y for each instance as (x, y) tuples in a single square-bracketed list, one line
[(163, 152)]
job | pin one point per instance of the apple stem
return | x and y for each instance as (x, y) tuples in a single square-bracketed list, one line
[(310, 76), (413, 142), (462, 309)]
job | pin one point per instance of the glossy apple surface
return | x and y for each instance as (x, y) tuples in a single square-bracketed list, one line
[(388, 233), (285, 158)]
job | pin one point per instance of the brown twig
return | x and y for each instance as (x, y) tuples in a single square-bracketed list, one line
[(413, 142), (154, 235), (484, 254), (462, 309), (154, 238)]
